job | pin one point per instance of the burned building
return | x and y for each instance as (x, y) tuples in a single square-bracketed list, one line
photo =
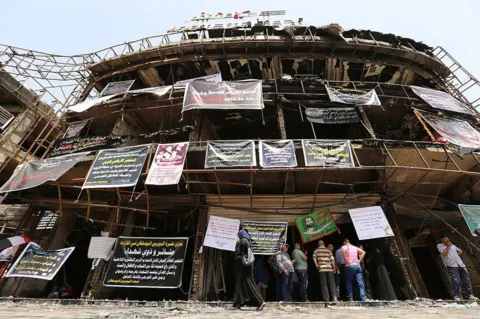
[(370, 119)]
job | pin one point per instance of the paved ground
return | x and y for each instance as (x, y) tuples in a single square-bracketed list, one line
[(401, 311)]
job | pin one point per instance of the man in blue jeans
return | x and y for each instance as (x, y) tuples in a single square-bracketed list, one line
[(284, 266), (300, 264), (353, 269)]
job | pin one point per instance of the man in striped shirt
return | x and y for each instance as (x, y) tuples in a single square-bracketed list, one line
[(325, 263)]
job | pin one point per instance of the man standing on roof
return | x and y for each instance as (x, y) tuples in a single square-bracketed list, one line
[(456, 268)]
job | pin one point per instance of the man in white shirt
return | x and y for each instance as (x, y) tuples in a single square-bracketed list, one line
[(456, 268)]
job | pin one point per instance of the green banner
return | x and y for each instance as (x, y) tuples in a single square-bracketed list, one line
[(471, 214), (316, 225)]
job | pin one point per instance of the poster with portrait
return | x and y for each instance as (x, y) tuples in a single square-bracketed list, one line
[(316, 225), (167, 165)]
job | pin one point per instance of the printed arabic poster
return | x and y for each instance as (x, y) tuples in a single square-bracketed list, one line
[(147, 262), (277, 154), (316, 225), (167, 166), (327, 153), (352, 96), (117, 87), (370, 223), (267, 238), (471, 214), (230, 154), (441, 100), (35, 262), (222, 233), (332, 115), (35, 173), (117, 167)]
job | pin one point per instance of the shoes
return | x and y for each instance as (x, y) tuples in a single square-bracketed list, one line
[(260, 308), (472, 297), (457, 298), (350, 299)]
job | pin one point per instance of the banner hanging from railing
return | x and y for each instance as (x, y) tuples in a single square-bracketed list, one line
[(117, 167), (277, 154), (207, 78), (167, 165), (241, 95), (75, 129), (113, 88), (441, 100), (352, 96), (316, 225), (230, 154), (327, 153), (35, 173), (147, 262), (370, 223), (471, 214), (332, 115), (267, 238)]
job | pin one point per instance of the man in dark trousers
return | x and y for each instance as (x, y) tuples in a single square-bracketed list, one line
[(325, 263)]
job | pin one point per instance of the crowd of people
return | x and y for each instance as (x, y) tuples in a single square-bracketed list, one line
[(342, 273)]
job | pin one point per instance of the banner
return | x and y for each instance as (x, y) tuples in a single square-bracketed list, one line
[(266, 238), (47, 221), (35, 173), (455, 131), (7, 255), (100, 247), (332, 115), (230, 154), (441, 100), (167, 165), (75, 129), (327, 153), (35, 262), (316, 225), (370, 223), (95, 143), (352, 96), (208, 78), (471, 214), (147, 262), (277, 154), (113, 88), (241, 95), (221, 233), (159, 91), (117, 167)]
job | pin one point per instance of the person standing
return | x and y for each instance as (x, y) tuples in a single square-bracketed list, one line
[(284, 266), (325, 263), (340, 264), (301, 267), (246, 290), (366, 276), (261, 276), (456, 268), (353, 269), (336, 272)]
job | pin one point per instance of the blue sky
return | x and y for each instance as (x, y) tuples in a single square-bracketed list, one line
[(74, 27)]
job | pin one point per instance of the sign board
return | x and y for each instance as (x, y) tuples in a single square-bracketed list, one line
[(167, 165), (35, 262), (327, 153), (230, 154), (332, 115), (277, 154), (240, 95), (113, 88), (48, 220), (222, 233), (370, 223), (75, 129), (35, 173), (147, 262), (100, 247), (352, 96), (316, 225), (441, 100), (471, 214), (117, 167), (208, 78), (266, 238)]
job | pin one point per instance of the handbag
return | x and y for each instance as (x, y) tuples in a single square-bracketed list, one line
[(248, 259)]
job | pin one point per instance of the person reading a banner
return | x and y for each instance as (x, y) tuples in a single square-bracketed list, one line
[(325, 263), (300, 258), (456, 268), (336, 271), (246, 290), (353, 269), (340, 264)]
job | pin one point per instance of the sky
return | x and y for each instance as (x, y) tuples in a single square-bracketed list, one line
[(70, 27)]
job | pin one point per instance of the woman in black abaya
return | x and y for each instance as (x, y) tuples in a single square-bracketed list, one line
[(246, 289)]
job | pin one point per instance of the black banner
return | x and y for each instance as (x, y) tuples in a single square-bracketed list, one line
[(149, 262), (117, 167), (35, 173), (266, 238), (441, 100), (242, 95), (327, 153), (352, 96), (95, 143), (332, 115), (35, 262), (230, 154), (277, 154)]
